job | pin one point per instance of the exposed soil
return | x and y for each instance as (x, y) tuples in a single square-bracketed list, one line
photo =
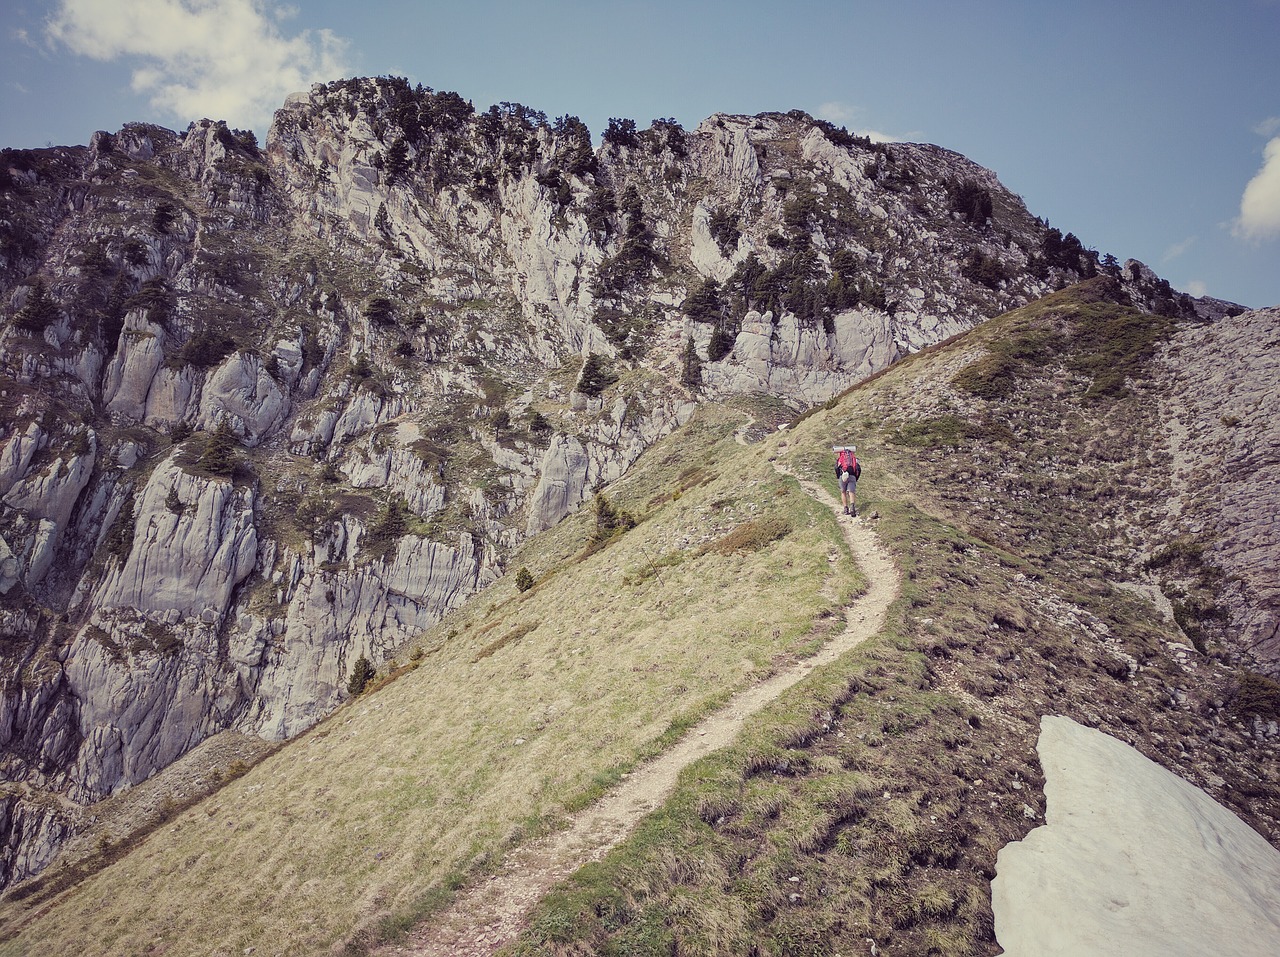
[(489, 915)]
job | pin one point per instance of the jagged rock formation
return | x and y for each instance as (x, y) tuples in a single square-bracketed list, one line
[(270, 410), (1224, 409)]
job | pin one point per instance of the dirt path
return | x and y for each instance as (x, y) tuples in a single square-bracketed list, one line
[(491, 914)]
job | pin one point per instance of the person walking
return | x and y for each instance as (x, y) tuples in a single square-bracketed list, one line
[(848, 471)]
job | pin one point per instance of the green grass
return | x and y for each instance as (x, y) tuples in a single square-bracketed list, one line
[(870, 801), (524, 707), (1081, 330)]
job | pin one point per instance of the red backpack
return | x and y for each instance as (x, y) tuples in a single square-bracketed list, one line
[(846, 461)]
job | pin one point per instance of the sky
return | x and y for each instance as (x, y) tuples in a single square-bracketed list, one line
[(1149, 128)]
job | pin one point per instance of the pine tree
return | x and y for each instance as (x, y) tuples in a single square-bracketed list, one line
[(362, 672), (221, 452), (691, 374), (40, 310)]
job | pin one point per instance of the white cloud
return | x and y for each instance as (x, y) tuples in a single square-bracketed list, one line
[(1195, 287), (221, 59), (1260, 204), (1268, 127), (1177, 249), (836, 112)]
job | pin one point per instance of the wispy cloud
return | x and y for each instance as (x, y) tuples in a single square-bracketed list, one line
[(837, 112), (1268, 127), (1260, 205), (222, 59), (1177, 249), (1195, 287)]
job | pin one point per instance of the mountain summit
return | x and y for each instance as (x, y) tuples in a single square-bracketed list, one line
[(275, 412)]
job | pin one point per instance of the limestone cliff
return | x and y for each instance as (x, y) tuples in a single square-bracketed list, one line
[(268, 409)]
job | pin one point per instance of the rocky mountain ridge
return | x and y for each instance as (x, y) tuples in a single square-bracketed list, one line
[(1054, 559), (271, 410)]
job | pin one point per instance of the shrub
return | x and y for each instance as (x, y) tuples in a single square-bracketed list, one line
[(621, 132), (1258, 696), (970, 199), (524, 580), (392, 524), (600, 207), (596, 376), (40, 310), (538, 423), (119, 540), (220, 455), (982, 269), (610, 520), (691, 371), (703, 303), (397, 160), (156, 298), (721, 343), (362, 673), (751, 536), (725, 229), (380, 312), (207, 348), (163, 217)]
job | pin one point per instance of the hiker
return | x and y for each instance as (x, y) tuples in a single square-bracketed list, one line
[(848, 470)]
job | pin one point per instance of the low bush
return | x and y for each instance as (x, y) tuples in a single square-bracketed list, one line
[(751, 536)]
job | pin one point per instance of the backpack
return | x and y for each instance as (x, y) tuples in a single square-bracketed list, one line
[(846, 461)]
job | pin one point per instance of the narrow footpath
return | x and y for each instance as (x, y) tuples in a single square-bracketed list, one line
[(490, 914)]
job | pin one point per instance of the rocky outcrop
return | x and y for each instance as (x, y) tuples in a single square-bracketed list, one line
[(299, 660), (781, 358), (287, 406), (1224, 411), (39, 504), (194, 542)]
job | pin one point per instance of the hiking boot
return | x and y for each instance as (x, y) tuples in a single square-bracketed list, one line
[(853, 510)]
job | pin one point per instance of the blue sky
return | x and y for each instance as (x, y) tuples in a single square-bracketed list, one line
[(1149, 128)]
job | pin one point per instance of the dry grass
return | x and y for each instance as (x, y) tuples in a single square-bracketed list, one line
[(368, 819), (871, 800)]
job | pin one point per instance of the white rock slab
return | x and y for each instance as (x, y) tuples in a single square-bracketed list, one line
[(1132, 861)]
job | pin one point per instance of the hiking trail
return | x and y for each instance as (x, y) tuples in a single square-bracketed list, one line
[(490, 914)]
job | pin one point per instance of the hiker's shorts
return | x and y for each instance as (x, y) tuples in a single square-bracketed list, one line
[(848, 483)]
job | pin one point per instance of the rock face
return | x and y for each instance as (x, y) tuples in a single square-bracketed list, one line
[(1132, 860), (267, 410), (1224, 406)]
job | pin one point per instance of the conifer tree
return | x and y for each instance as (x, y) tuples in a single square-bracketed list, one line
[(40, 310)]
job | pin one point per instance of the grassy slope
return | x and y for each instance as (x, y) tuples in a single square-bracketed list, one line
[(869, 801), (1007, 469), (523, 706)]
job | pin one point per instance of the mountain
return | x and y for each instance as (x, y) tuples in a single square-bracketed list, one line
[(1017, 476), (274, 410)]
